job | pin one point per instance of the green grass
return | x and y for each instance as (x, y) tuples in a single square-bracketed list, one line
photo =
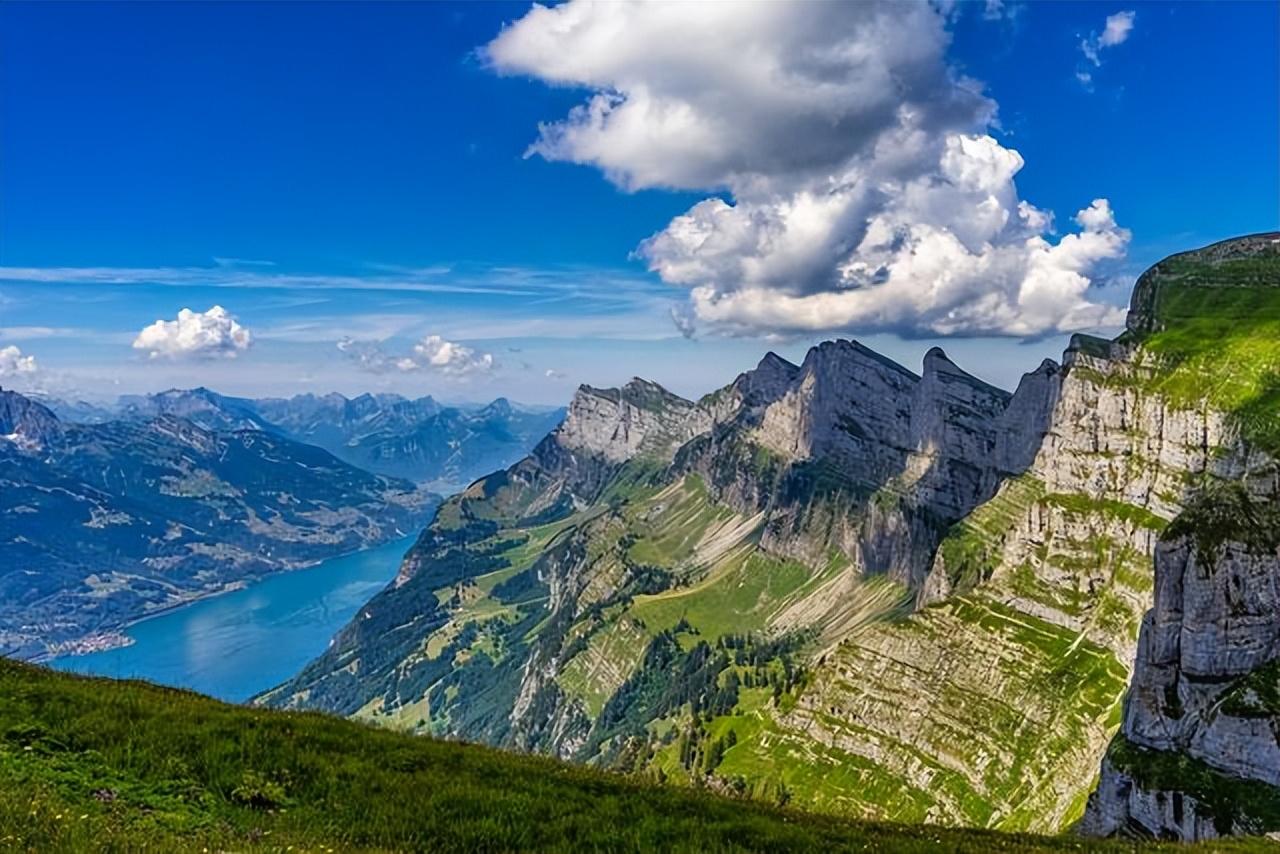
[(1218, 340), (1229, 801), (739, 596), (1225, 513), (970, 551), (1255, 695), (1083, 505), (94, 764), (670, 525), (609, 658)]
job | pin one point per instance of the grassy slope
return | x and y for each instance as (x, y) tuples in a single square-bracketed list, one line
[(742, 590), (1218, 339), (93, 764)]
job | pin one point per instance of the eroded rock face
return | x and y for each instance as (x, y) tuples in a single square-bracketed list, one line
[(1120, 807), (851, 451), (1204, 692), (640, 418)]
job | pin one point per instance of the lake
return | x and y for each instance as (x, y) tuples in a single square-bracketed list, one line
[(237, 644)]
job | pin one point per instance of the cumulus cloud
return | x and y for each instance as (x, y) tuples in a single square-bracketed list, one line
[(433, 354), (448, 357), (1116, 31), (13, 363), (860, 188), (194, 335)]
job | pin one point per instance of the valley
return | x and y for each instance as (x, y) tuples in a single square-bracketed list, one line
[(168, 499), (236, 644), (835, 584)]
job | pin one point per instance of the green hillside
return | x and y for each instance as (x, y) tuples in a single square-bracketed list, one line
[(843, 591), (94, 764)]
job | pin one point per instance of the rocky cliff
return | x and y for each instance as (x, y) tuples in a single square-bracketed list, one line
[(1198, 753), (913, 597)]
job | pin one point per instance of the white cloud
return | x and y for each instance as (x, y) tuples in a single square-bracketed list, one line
[(212, 334), (1116, 31), (697, 95), (553, 374), (433, 354), (448, 357), (1118, 28), (13, 363), (862, 189), (26, 333)]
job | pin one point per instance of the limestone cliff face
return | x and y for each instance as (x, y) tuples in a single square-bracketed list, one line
[(1027, 620), (1199, 752), (850, 451), (602, 429), (1029, 617), (1198, 755), (638, 419)]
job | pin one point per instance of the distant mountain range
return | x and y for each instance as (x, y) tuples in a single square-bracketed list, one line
[(422, 440), (103, 523)]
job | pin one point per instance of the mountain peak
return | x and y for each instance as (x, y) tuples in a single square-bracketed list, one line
[(936, 360), (1232, 268), (642, 417), (845, 350), (26, 422), (498, 407), (773, 363), (938, 365)]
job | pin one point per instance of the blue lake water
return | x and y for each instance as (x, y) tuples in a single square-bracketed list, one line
[(237, 644)]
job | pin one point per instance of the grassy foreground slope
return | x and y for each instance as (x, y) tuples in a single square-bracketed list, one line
[(94, 764)]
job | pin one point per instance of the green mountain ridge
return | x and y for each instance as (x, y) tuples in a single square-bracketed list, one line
[(102, 765), (869, 592)]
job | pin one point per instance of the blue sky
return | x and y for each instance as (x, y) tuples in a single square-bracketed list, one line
[(332, 172)]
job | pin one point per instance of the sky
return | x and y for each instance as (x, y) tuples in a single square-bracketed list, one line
[(473, 200)]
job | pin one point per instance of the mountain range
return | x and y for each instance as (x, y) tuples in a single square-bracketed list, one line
[(101, 524), (419, 439), (892, 595)]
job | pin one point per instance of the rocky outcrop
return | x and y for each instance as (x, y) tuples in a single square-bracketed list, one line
[(639, 419), (1028, 417), (852, 451), (1198, 755), (1202, 719)]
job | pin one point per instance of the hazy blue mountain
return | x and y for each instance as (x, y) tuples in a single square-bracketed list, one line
[(419, 439), (103, 523)]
